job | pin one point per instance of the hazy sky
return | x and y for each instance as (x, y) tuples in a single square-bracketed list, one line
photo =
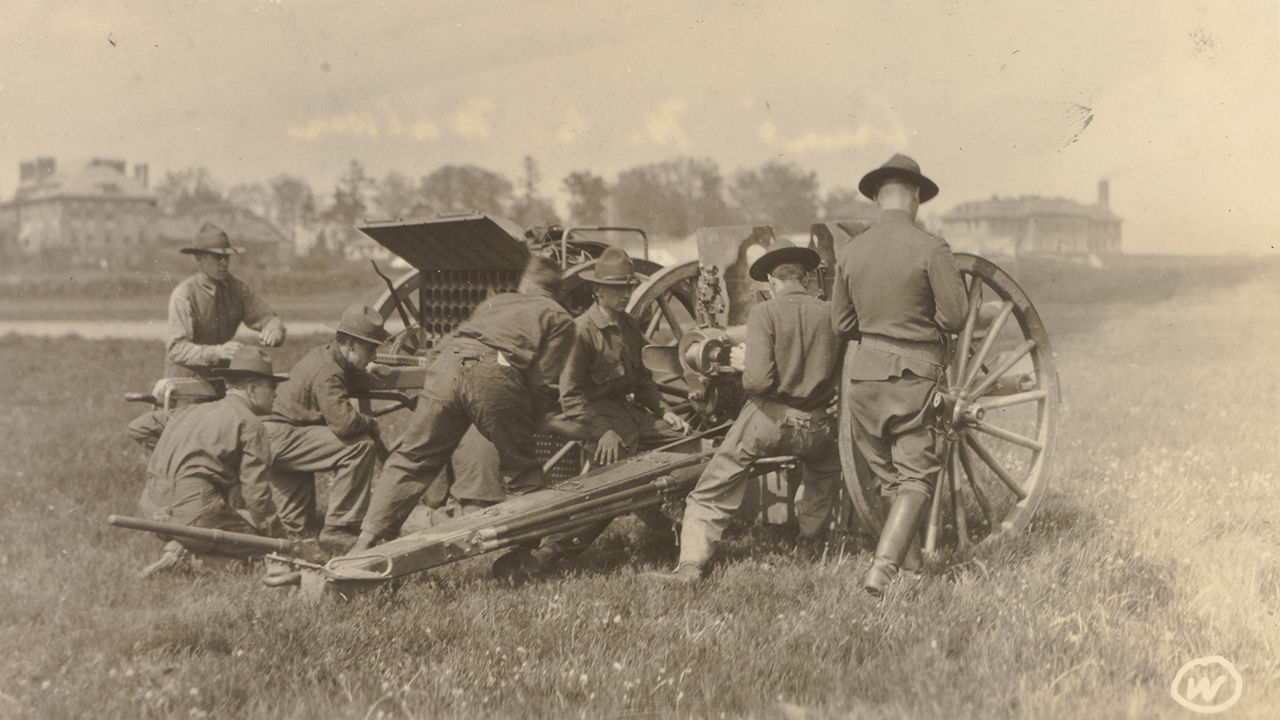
[(1177, 103)]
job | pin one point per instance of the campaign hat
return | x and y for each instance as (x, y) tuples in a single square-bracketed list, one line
[(212, 240), (783, 251), (898, 167), (613, 268), (362, 323), (250, 361)]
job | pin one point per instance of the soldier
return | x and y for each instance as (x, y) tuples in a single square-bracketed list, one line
[(498, 372), (790, 374), (213, 457), (897, 287), (313, 428), (206, 309), (609, 393)]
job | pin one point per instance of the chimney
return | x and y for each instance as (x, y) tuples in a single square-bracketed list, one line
[(141, 173), (1104, 194)]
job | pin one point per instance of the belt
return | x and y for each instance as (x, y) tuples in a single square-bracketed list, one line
[(929, 352), (468, 349), (781, 412)]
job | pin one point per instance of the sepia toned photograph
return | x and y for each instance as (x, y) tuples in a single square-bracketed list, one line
[(579, 359)]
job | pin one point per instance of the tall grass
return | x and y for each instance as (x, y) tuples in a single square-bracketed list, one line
[(1156, 545)]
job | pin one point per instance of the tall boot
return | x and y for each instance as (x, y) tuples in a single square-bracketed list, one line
[(900, 528), (914, 561)]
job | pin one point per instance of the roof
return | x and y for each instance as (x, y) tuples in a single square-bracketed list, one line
[(1025, 207), (93, 179), (242, 226)]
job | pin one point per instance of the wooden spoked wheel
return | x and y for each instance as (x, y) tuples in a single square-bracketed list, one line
[(664, 303), (998, 417)]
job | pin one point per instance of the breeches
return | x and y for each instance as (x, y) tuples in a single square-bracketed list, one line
[(893, 428), (467, 387), (720, 490), (298, 453), (195, 503)]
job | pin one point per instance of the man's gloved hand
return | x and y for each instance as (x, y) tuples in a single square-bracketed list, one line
[(272, 334), (609, 448), (738, 357), (228, 350), (676, 422)]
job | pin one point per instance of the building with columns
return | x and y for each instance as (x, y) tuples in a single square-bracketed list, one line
[(1032, 225)]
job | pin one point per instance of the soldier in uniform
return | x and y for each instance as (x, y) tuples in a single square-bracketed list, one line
[(609, 393), (206, 309), (790, 373), (209, 467), (897, 287), (498, 372), (314, 428)]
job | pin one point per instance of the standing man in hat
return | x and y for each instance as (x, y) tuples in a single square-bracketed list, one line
[(897, 289), (206, 309), (314, 428), (498, 372), (608, 392), (790, 373), (212, 458)]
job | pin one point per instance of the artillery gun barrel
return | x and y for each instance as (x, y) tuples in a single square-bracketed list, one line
[(219, 537)]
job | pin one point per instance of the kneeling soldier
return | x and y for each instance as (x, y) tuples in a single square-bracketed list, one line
[(213, 457), (790, 374), (314, 428)]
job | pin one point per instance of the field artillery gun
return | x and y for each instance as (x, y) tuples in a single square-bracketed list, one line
[(1001, 385), (1001, 388)]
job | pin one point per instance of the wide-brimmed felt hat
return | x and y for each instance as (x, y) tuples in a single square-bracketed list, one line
[(362, 323), (250, 361), (783, 251), (900, 167), (213, 240), (613, 268)]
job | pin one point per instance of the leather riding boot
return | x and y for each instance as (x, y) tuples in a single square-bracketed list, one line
[(900, 527)]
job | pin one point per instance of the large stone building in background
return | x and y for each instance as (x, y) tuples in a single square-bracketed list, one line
[(1032, 225), (94, 214)]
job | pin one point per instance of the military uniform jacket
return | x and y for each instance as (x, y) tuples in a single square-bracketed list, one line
[(604, 364), (316, 394), (793, 355), (896, 285), (221, 443), (204, 313), (533, 333)]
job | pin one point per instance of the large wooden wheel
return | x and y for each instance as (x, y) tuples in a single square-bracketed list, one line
[(998, 417), (664, 304)]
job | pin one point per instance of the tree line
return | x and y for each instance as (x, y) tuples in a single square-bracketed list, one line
[(671, 198)]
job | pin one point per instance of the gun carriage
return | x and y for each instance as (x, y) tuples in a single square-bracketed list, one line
[(999, 404)]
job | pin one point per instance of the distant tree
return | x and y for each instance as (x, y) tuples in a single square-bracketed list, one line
[(588, 198), (674, 197), (349, 203), (778, 194), (293, 204), (529, 209), (464, 188), (254, 197), (843, 201), (185, 190), (395, 196)]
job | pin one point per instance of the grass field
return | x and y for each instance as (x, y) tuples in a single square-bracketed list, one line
[(1156, 545)]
